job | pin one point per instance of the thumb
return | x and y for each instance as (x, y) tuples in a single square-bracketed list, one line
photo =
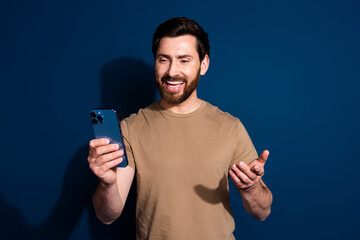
[(264, 156)]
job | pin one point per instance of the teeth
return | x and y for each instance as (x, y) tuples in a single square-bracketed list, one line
[(174, 82)]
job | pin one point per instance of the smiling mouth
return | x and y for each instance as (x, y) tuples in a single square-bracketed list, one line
[(174, 83), (174, 86)]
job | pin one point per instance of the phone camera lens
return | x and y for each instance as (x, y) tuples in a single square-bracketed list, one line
[(100, 118), (92, 114), (94, 121)]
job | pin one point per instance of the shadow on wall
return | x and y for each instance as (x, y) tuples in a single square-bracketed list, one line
[(126, 84)]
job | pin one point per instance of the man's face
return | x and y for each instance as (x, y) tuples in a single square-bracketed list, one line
[(177, 68)]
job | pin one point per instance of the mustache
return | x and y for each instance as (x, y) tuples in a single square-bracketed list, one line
[(176, 78)]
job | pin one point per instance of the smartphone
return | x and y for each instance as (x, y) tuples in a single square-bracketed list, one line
[(106, 124)]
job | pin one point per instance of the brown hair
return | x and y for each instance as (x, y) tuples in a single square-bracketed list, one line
[(181, 26)]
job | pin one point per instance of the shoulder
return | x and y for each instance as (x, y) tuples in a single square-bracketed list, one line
[(217, 114), (141, 117)]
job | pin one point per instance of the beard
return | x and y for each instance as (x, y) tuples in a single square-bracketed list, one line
[(170, 97)]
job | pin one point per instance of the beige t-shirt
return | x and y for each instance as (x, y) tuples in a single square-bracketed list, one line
[(182, 163)]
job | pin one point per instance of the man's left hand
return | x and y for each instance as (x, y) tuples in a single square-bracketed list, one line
[(246, 176)]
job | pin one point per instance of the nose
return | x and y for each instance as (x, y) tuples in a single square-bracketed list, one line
[(173, 69)]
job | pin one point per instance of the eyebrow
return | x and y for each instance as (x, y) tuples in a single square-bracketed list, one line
[(179, 57), (162, 55), (184, 56)]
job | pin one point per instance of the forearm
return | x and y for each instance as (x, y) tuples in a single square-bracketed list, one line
[(107, 202), (257, 200)]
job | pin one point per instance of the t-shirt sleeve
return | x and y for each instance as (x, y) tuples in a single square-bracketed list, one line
[(244, 149), (127, 143)]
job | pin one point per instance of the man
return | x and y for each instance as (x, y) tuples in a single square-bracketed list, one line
[(183, 150)]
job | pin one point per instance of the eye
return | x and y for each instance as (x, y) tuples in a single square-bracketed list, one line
[(185, 60), (162, 60)]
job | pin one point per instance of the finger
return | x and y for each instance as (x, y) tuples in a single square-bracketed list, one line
[(104, 149), (244, 179), (108, 157), (258, 170), (264, 156), (242, 176), (111, 164), (234, 178), (247, 171), (98, 142)]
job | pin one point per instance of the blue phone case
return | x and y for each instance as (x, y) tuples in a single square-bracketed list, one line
[(106, 125)]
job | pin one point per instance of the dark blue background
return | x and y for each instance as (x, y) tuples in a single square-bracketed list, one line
[(288, 69)]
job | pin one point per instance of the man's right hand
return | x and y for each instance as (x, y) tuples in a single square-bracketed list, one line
[(103, 159)]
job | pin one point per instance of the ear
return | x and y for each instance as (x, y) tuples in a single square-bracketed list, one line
[(204, 65)]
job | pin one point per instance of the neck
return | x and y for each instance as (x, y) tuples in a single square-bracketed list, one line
[(188, 106)]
